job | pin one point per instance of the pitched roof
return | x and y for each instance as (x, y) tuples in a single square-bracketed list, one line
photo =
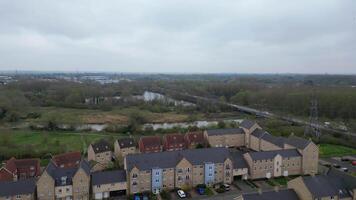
[(169, 159), (226, 131), (263, 155), (172, 139), (297, 142), (108, 177), (26, 186), (259, 133), (278, 141), (67, 158), (248, 124), (101, 146), (238, 160), (126, 142), (14, 165), (58, 173), (272, 195), (151, 141), (196, 137), (331, 184)]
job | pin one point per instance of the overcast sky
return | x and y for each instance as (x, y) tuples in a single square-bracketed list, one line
[(189, 36)]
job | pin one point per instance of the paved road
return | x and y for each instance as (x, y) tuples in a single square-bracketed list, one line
[(271, 115), (226, 196)]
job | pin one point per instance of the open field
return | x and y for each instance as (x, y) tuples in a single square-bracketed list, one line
[(329, 150), (41, 144), (92, 116)]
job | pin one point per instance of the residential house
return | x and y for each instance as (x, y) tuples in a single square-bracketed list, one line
[(309, 151), (67, 160), (17, 169), (261, 140), (248, 126), (334, 185), (108, 184), (173, 142), (101, 154), (268, 164), (270, 195), (150, 144), (124, 146), (240, 165), (193, 139), (177, 169), (18, 190), (229, 137), (64, 183)]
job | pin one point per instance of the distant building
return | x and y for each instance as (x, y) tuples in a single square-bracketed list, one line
[(173, 142), (67, 160), (101, 154), (109, 184), (19, 190), (150, 144), (193, 139), (124, 146), (231, 137), (18, 169)]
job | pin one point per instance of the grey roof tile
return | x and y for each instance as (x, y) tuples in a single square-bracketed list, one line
[(101, 146), (263, 155), (226, 131), (288, 194), (20, 187), (108, 177), (247, 124), (238, 160), (297, 142), (126, 142), (170, 159)]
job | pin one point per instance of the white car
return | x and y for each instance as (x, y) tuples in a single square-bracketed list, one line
[(181, 194)]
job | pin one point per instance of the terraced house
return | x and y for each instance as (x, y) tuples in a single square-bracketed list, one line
[(231, 137), (124, 146), (186, 168), (109, 184), (100, 154), (18, 169), (19, 190), (64, 183), (268, 164)]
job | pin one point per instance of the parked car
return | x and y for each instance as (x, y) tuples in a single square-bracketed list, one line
[(181, 194), (345, 159), (226, 187), (344, 169), (354, 163)]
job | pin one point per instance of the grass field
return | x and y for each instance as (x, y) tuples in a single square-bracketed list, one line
[(26, 143), (329, 150), (116, 115)]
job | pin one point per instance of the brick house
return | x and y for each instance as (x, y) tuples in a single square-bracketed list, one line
[(150, 144), (269, 164), (108, 184), (18, 190), (18, 169), (124, 146), (101, 155), (173, 142), (64, 183), (176, 169), (67, 160), (229, 137), (193, 139), (334, 184)]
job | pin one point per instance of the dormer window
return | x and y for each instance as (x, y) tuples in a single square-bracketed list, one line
[(64, 180)]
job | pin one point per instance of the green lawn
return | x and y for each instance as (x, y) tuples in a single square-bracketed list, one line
[(26, 143), (329, 150)]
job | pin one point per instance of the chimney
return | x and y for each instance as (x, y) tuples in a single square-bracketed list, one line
[(259, 191), (276, 188)]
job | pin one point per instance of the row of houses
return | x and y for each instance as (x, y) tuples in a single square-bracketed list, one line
[(147, 168), (334, 185)]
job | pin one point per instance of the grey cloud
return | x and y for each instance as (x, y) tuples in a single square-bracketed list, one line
[(269, 36)]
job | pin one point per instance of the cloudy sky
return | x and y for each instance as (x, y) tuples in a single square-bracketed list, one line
[(189, 36)]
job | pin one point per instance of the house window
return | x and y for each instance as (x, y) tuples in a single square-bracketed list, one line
[(134, 175), (134, 183)]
